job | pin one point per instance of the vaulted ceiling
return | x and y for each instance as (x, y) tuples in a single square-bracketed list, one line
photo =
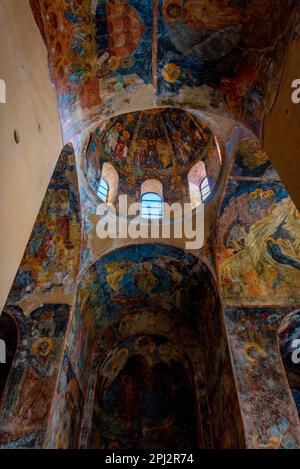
[(161, 144), (223, 56)]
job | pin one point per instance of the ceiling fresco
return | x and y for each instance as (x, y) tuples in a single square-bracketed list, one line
[(222, 56), (152, 323), (158, 144), (143, 276)]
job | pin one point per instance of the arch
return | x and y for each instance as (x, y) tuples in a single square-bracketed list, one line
[(152, 185), (195, 177), (155, 290), (110, 175), (152, 199), (8, 345)]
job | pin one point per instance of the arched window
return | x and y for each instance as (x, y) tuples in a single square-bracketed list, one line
[(152, 205), (152, 199), (103, 190), (205, 190), (109, 184)]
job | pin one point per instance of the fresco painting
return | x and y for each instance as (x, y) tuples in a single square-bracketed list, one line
[(48, 271), (268, 411), (30, 387), (258, 244), (147, 291), (258, 261), (185, 50), (206, 53), (252, 161), (64, 428), (159, 349), (160, 144), (140, 277), (123, 37), (51, 257), (145, 398), (96, 49)]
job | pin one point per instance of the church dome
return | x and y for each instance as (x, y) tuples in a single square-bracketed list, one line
[(159, 144)]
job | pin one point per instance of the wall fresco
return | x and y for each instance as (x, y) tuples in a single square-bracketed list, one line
[(31, 383), (143, 324), (258, 244), (219, 56), (47, 274), (52, 254), (221, 51), (124, 41), (269, 417), (140, 276), (156, 290), (258, 261), (134, 278), (68, 404), (158, 144), (252, 161), (145, 397), (97, 49)]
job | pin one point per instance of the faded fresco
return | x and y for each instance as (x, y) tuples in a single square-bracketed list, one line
[(258, 236), (148, 345), (44, 281), (145, 397), (30, 387), (258, 263), (68, 404), (221, 49), (51, 259), (270, 416), (222, 56), (144, 292)]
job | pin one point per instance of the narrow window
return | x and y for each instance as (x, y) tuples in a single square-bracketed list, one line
[(103, 190), (205, 189), (152, 205)]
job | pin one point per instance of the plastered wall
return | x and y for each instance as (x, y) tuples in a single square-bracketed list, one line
[(31, 110), (281, 129)]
